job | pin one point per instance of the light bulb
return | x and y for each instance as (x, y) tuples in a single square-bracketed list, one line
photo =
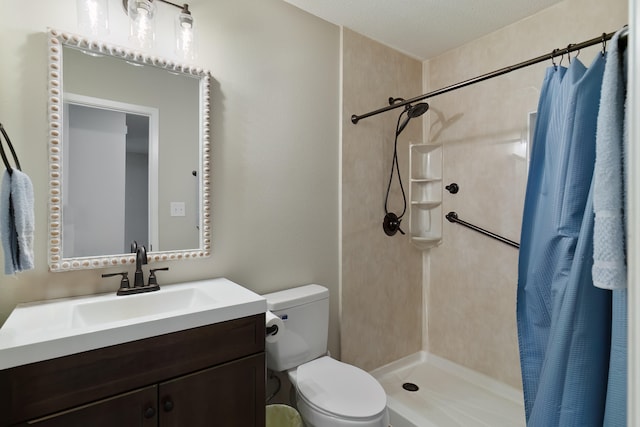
[(142, 23), (93, 16), (185, 19), (185, 39)]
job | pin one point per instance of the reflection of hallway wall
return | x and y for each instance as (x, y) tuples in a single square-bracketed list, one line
[(381, 275), (137, 201), (95, 182)]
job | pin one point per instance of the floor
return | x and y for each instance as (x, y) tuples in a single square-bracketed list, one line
[(449, 395)]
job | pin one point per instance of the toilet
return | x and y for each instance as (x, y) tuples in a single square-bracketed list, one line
[(328, 393)]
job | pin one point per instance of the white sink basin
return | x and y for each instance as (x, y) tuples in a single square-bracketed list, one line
[(164, 302), (47, 329)]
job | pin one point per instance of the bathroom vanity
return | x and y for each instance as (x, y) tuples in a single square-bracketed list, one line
[(187, 355), (209, 374)]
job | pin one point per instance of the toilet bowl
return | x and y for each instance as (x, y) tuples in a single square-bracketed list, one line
[(328, 393)]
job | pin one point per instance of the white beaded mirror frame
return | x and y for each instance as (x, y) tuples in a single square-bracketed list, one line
[(57, 262)]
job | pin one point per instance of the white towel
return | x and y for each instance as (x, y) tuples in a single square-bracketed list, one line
[(16, 221), (609, 254)]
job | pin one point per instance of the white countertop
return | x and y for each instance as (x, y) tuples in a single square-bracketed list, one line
[(45, 330)]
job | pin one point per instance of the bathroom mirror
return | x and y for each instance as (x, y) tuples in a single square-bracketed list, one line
[(129, 155)]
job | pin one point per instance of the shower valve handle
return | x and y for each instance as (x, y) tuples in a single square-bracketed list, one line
[(391, 224)]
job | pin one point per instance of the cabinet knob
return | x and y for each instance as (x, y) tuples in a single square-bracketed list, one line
[(167, 404), (150, 412)]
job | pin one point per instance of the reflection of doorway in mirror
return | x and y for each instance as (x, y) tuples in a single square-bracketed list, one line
[(136, 207), (110, 177)]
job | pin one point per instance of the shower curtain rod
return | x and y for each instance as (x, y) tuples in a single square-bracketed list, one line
[(549, 56), (453, 217)]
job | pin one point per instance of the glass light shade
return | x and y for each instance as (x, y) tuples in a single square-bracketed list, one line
[(93, 16), (185, 39), (142, 23)]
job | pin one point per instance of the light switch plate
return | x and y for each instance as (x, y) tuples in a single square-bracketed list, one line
[(177, 209)]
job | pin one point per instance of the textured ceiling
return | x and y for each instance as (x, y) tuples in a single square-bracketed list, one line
[(423, 28)]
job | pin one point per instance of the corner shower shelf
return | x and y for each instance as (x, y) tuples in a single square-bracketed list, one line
[(425, 180), (426, 204), (425, 194), (426, 241)]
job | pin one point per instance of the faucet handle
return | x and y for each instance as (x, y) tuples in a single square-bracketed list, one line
[(152, 275), (124, 282)]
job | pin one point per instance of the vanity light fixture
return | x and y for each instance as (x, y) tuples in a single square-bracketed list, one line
[(142, 25)]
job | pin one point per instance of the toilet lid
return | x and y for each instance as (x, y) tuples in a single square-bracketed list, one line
[(340, 389)]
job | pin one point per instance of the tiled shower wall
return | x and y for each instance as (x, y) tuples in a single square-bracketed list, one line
[(381, 316), (484, 129)]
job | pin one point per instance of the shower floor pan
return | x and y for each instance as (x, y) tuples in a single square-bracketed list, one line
[(449, 395)]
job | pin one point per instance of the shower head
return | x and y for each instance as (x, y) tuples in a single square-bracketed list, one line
[(413, 111), (418, 109)]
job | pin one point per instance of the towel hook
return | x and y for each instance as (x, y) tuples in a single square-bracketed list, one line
[(13, 152), (604, 43)]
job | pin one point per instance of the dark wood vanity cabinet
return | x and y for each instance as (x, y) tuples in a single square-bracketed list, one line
[(137, 408), (192, 401), (206, 376)]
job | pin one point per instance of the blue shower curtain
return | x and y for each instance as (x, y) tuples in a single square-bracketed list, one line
[(564, 322)]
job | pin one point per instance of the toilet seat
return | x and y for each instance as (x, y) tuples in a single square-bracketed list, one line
[(342, 390)]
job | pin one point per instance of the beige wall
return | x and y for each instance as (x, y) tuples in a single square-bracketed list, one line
[(472, 291), (276, 168), (275, 142), (381, 276)]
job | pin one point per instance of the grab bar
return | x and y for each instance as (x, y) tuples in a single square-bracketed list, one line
[(453, 217)]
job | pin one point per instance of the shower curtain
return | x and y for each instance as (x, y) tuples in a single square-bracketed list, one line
[(564, 321)]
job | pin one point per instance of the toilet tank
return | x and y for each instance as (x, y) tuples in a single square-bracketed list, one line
[(304, 310)]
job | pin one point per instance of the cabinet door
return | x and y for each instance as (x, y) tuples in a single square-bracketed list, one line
[(230, 395), (135, 409)]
